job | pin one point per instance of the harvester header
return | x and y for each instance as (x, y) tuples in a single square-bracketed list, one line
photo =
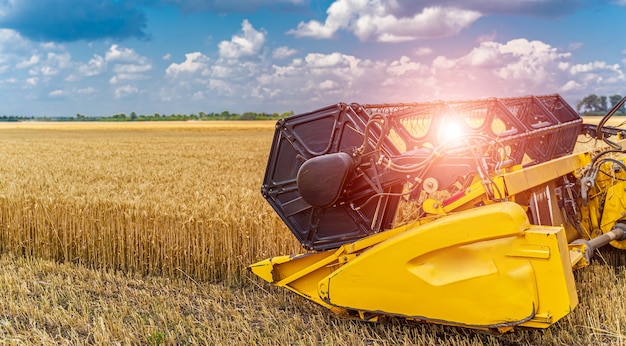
[(470, 213)]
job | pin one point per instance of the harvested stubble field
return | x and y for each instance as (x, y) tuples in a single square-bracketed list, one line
[(139, 233)]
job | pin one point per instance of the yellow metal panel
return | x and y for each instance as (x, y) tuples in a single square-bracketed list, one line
[(531, 251), (299, 274), (475, 268), (614, 210), (264, 269), (542, 173), (554, 277), (484, 268)]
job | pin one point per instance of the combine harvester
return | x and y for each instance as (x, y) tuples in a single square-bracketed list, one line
[(471, 213)]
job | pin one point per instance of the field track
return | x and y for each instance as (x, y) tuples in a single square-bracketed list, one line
[(139, 233)]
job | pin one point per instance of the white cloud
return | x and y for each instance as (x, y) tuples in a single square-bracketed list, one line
[(534, 60), (283, 52), (576, 46), (50, 46), (11, 40), (592, 66), (115, 54), (34, 59), (193, 63), (487, 37), (56, 93), (52, 65), (422, 51), (404, 66), (224, 88), (131, 68), (517, 67), (249, 43), (198, 95), (319, 79), (432, 22), (220, 70), (328, 85), (570, 85), (127, 64), (518, 58), (315, 29), (86, 91), (378, 20), (598, 74), (318, 60), (95, 66), (125, 91)]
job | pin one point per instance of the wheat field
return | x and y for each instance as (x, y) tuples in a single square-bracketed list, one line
[(179, 200), (140, 233)]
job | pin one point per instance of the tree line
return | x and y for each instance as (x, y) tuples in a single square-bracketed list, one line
[(225, 115), (590, 105), (593, 104)]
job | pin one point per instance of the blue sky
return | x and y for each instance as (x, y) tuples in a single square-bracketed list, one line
[(102, 57)]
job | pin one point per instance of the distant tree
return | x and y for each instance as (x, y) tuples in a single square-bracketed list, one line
[(120, 117), (614, 100), (601, 105), (287, 114), (133, 116), (587, 104), (248, 116), (593, 104)]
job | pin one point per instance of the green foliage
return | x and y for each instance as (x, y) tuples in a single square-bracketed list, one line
[(593, 104), (156, 338), (615, 100), (13, 118), (225, 115)]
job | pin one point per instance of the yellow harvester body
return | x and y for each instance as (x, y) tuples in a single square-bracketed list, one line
[(499, 253)]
